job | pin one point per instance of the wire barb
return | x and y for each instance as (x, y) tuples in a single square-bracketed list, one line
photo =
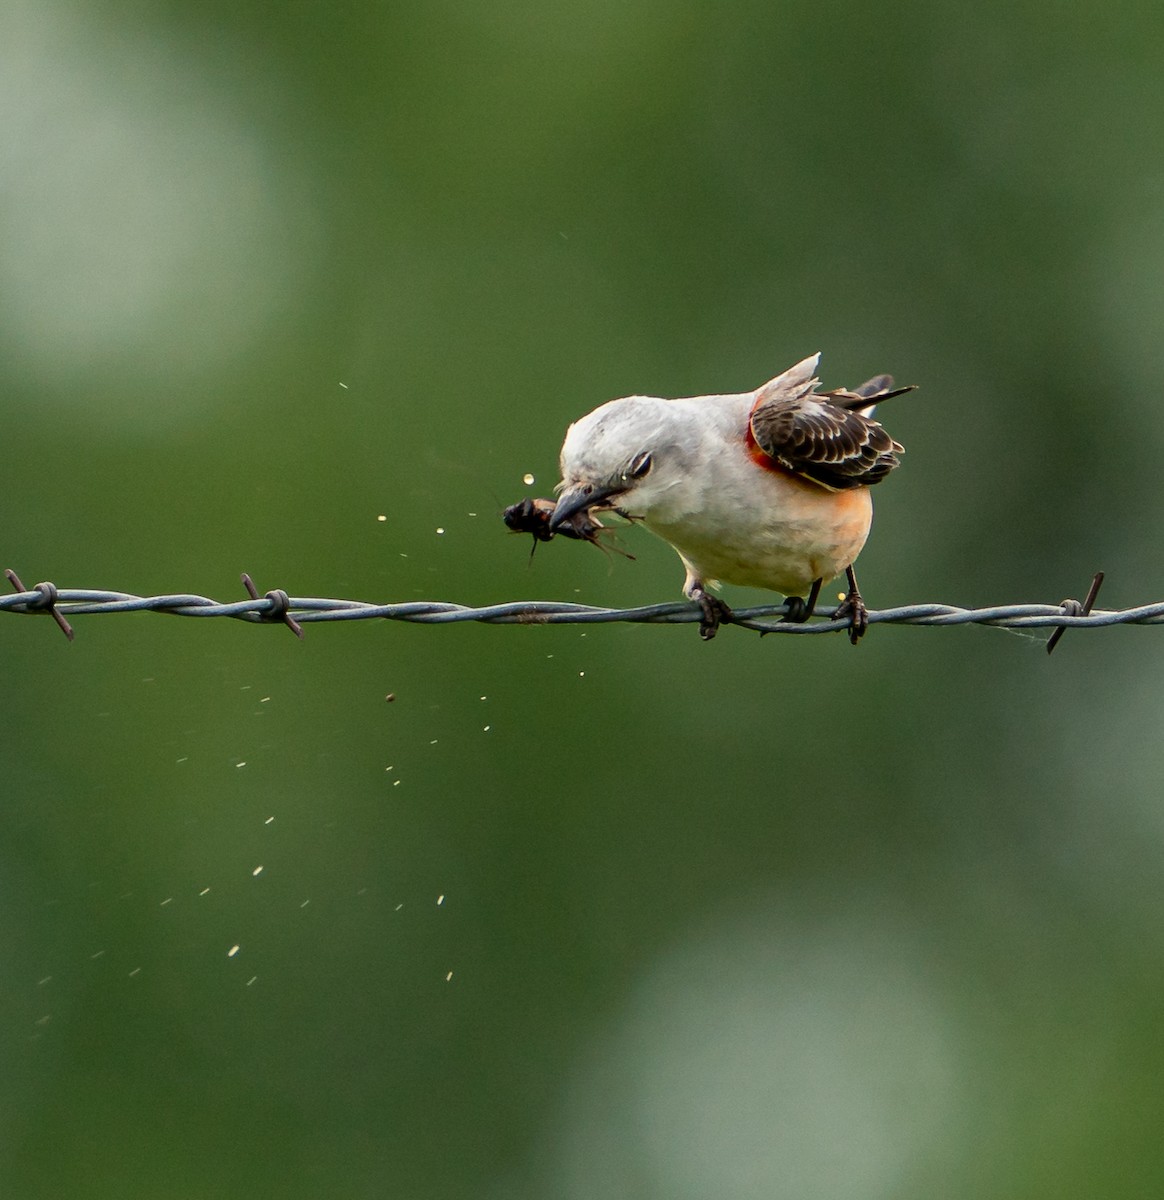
[(1075, 609), (42, 598), (280, 606), (294, 612)]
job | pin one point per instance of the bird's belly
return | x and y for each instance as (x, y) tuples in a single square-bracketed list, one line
[(811, 534)]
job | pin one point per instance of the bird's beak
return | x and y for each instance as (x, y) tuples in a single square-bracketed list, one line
[(576, 499)]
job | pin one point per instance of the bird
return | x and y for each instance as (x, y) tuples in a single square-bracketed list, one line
[(768, 488)]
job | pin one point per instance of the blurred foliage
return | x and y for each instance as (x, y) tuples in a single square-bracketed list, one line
[(747, 919)]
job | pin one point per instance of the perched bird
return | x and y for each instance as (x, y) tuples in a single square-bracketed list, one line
[(763, 489)]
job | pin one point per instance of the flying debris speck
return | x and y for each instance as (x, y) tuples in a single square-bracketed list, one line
[(528, 479)]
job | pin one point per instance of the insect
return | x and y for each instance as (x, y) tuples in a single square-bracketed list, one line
[(532, 516)]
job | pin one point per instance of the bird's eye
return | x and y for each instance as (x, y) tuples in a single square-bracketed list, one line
[(640, 465)]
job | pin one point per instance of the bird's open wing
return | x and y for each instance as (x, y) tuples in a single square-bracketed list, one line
[(821, 436)]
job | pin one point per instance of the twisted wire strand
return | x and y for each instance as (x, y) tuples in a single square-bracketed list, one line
[(278, 607)]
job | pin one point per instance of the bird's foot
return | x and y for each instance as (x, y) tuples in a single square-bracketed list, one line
[(798, 610), (715, 613), (853, 607)]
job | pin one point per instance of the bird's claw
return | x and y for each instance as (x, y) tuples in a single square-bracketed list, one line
[(853, 607), (715, 613), (797, 610)]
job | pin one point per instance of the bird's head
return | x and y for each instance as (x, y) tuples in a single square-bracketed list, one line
[(625, 455)]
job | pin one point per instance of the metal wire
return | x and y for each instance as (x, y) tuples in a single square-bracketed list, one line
[(294, 611)]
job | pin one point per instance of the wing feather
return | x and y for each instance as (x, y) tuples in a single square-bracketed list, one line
[(822, 436)]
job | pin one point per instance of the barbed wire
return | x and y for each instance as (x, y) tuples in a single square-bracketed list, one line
[(295, 611)]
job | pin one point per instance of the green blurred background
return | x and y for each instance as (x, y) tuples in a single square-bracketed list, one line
[(583, 913)]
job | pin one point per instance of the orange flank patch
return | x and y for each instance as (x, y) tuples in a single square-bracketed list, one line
[(761, 457)]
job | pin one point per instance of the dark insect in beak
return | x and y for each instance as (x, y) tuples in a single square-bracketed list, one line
[(534, 517)]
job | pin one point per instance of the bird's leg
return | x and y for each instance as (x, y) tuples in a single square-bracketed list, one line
[(715, 611), (853, 607), (800, 610)]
